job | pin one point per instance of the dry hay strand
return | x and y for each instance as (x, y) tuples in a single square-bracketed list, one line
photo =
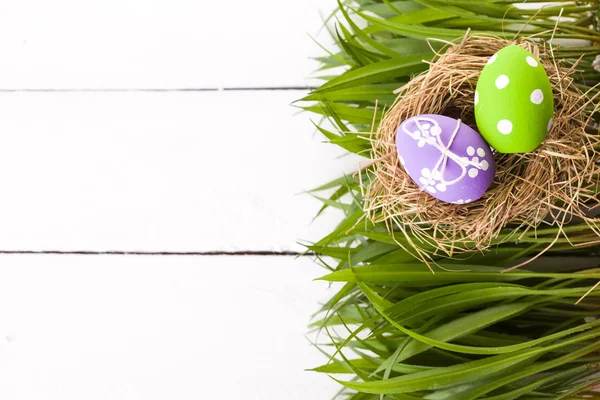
[(551, 185)]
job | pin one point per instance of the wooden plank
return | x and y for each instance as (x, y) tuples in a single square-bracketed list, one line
[(124, 327), (177, 171), (133, 44)]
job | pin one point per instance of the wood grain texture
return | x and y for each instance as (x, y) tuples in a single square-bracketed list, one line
[(177, 171), (144, 44), (116, 327)]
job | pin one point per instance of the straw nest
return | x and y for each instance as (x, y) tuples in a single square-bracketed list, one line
[(553, 185)]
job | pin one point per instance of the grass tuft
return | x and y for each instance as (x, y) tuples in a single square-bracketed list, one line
[(464, 329)]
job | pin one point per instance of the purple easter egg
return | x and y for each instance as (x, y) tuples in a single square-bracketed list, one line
[(445, 157)]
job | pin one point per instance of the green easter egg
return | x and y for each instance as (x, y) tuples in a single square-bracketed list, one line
[(513, 101)]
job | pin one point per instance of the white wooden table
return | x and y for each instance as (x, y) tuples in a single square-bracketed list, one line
[(134, 130)]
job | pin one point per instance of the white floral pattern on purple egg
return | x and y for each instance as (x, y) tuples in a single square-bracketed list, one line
[(445, 158)]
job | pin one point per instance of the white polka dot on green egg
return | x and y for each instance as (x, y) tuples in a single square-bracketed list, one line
[(531, 61), (537, 96), (513, 101), (504, 126), (502, 81)]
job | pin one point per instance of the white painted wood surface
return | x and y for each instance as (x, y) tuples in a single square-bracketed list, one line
[(147, 327), (94, 158), (71, 44), (176, 171)]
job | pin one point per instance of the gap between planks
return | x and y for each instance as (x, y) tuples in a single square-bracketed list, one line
[(117, 90), (159, 253)]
